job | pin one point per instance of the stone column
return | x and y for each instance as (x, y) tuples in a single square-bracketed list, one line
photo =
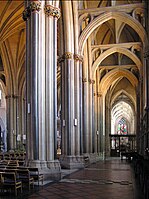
[(78, 103), (9, 125), (93, 117), (81, 105), (12, 125), (41, 68), (15, 99), (100, 123), (95, 112), (90, 118), (52, 15), (70, 115), (71, 137), (31, 15), (146, 79), (85, 118)]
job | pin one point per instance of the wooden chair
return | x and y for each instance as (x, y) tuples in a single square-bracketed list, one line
[(10, 182), (34, 172), (24, 176)]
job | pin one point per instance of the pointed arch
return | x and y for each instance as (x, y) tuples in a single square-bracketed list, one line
[(110, 77), (123, 17), (117, 94), (110, 51)]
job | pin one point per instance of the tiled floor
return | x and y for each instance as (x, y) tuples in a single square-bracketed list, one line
[(111, 179)]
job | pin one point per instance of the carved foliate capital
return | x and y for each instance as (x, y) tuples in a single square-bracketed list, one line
[(78, 58), (26, 14), (15, 96), (35, 6), (91, 81), (68, 55), (8, 96), (146, 54), (99, 94), (52, 11), (84, 79)]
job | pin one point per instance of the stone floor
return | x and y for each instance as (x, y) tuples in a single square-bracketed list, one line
[(110, 179)]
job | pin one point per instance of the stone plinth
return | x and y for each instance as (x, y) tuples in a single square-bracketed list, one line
[(72, 162), (50, 169)]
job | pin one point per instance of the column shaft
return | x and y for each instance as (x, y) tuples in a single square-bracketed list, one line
[(34, 82)]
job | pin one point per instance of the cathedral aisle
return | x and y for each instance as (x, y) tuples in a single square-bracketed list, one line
[(110, 179)]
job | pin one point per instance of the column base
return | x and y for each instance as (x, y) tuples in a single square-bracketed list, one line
[(72, 162), (50, 169), (90, 158)]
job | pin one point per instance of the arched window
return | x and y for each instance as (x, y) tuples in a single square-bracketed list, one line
[(122, 127)]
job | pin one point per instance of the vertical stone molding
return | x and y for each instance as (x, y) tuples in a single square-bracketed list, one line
[(52, 14), (41, 99), (12, 127), (31, 16)]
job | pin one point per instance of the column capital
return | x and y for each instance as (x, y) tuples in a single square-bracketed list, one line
[(68, 55), (52, 11), (26, 14), (8, 96), (99, 94), (35, 6), (84, 79), (78, 57), (146, 54), (15, 96), (91, 81)]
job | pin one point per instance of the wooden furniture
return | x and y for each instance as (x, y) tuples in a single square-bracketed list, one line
[(34, 172), (10, 182), (24, 176)]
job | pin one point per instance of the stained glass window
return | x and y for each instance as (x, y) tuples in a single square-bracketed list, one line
[(122, 127)]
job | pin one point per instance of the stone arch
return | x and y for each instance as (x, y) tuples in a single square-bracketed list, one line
[(127, 94), (110, 77), (110, 51), (123, 17)]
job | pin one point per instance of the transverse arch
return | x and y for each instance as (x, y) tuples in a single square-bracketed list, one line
[(123, 17)]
